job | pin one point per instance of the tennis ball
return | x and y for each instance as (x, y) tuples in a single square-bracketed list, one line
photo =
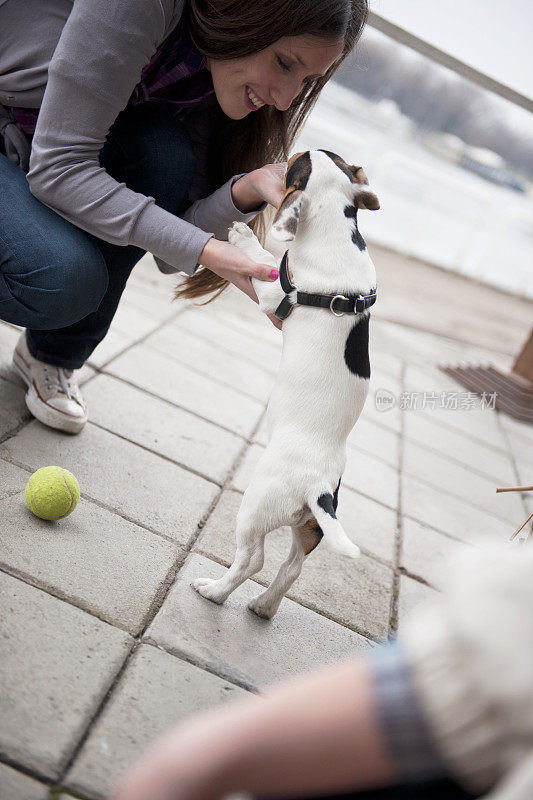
[(52, 493)]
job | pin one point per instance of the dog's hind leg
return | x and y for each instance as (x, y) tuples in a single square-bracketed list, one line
[(248, 560), (304, 539)]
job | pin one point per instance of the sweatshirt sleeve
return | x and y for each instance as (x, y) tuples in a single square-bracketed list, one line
[(97, 63), (470, 656)]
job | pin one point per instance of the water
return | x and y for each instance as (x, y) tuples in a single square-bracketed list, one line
[(430, 208)]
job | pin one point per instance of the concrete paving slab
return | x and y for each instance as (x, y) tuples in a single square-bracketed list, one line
[(355, 593), (155, 692), (371, 477), (413, 595), (93, 558), (419, 346), (428, 554), (12, 479), (212, 362), (254, 323), (154, 302), (56, 664), (244, 472), (521, 448), (521, 430), (367, 475), (238, 342), (133, 322), (385, 362), (430, 389), (389, 415), (446, 441), (261, 434), (184, 387), (451, 515), (86, 373), (474, 316), (112, 346), (240, 646), (17, 786), (451, 477), (178, 435), (133, 482), (13, 409), (145, 273), (376, 441)]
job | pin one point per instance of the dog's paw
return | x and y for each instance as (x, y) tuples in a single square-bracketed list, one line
[(208, 588), (240, 232), (261, 608)]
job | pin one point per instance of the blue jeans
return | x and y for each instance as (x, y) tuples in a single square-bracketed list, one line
[(63, 284)]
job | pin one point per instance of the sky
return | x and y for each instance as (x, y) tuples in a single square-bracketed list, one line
[(490, 35)]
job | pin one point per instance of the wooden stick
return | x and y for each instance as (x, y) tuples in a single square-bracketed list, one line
[(515, 489), (521, 526)]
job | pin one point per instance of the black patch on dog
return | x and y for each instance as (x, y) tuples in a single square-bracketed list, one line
[(299, 172), (356, 350), (291, 224), (325, 501), (339, 162), (351, 213)]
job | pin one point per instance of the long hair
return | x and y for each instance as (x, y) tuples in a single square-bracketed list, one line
[(226, 29)]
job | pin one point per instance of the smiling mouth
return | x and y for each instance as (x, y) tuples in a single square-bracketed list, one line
[(253, 99)]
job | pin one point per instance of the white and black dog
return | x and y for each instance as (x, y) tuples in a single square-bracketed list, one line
[(327, 282)]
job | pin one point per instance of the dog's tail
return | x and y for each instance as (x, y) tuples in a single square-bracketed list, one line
[(335, 537)]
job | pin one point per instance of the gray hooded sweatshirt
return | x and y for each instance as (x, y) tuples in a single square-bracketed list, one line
[(79, 61)]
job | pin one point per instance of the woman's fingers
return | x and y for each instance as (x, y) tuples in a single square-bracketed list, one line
[(264, 273)]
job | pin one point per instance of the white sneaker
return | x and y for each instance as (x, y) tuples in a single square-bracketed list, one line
[(53, 396)]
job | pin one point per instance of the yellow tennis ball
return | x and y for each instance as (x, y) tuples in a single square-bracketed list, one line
[(52, 493)]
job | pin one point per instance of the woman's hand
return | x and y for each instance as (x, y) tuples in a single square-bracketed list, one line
[(183, 764), (232, 264), (259, 186)]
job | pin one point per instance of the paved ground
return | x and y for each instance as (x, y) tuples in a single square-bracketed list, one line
[(104, 641)]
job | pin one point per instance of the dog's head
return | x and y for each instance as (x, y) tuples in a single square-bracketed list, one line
[(306, 176)]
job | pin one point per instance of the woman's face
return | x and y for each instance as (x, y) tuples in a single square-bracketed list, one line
[(274, 76)]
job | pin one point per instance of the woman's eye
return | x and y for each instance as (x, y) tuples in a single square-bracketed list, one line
[(282, 64)]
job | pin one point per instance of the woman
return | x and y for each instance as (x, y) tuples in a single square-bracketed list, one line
[(161, 123)]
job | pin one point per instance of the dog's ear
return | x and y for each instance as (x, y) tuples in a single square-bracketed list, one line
[(364, 196), (286, 219)]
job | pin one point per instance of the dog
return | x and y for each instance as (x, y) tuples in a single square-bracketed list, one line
[(324, 371)]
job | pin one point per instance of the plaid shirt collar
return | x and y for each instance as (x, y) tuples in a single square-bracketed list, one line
[(175, 79)]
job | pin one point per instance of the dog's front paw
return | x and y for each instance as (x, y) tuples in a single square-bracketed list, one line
[(240, 232), (210, 589), (261, 608)]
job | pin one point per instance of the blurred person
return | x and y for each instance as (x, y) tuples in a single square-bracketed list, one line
[(443, 713), (142, 126)]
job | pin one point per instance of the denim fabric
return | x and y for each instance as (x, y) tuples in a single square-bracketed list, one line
[(61, 283)]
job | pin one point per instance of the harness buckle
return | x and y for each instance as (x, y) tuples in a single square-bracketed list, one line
[(337, 297)]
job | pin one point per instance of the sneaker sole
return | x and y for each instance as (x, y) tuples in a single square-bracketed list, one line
[(48, 416)]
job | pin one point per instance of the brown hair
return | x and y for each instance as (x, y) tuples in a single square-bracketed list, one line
[(225, 29)]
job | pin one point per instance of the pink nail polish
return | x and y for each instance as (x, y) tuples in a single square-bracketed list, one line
[(274, 273)]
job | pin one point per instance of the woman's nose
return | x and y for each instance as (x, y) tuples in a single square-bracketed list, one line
[(284, 95)]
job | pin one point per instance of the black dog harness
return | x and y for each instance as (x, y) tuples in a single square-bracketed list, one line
[(338, 304)]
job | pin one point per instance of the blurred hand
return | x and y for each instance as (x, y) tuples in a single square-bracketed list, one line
[(232, 264), (259, 186), (268, 182)]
